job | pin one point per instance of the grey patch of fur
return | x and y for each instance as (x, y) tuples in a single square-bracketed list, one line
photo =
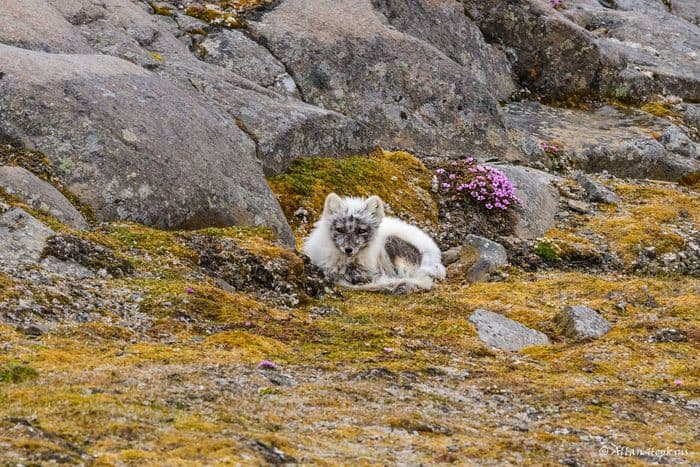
[(398, 249), (352, 232)]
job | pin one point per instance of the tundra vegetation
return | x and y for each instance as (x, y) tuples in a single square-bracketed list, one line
[(159, 161)]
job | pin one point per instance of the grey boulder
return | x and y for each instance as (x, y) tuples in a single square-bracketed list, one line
[(581, 322), (476, 259), (133, 145), (620, 142), (23, 184), (503, 333), (540, 200), (595, 191), (22, 237), (234, 51), (374, 62)]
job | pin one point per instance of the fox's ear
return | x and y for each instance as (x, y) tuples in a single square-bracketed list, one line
[(333, 204), (374, 206)]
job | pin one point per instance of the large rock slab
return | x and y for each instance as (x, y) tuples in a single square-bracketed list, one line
[(410, 91), (625, 143), (548, 53), (235, 79), (581, 322), (588, 50), (659, 44), (503, 333), (22, 237), (23, 184), (37, 25), (234, 51), (133, 145)]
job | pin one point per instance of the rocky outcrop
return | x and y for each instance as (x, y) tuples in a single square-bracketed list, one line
[(233, 50), (627, 144), (23, 184), (503, 333), (586, 49), (132, 145), (410, 91), (652, 51), (37, 25)]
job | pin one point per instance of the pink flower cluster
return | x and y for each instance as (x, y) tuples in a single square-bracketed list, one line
[(549, 147), (556, 3), (487, 186)]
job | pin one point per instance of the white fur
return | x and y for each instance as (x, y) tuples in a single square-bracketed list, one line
[(323, 253)]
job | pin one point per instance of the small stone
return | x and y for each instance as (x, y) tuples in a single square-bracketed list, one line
[(36, 330), (581, 322), (668, 335), (578, 206), (503, 333), (597, 192), (451, 256), (478, 258), (324, 310)]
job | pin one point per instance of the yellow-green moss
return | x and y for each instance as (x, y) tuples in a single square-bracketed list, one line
[(161, 9), (647, 211), (660, 109), (398, 178), (16, 373)]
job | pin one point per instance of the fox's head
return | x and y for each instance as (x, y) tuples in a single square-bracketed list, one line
[(353, 222)]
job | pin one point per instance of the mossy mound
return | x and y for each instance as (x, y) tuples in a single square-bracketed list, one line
[(401, 180)]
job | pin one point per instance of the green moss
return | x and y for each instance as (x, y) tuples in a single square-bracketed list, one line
[(16, 373), (398, 178), (548, 251)]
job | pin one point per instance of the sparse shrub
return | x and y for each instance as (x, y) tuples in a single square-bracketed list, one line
[(483, 186)]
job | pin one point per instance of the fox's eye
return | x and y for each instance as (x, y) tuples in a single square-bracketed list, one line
[(340, 230), (361, 231)]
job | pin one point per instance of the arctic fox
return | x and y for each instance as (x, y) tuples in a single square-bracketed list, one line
[(359, 247)]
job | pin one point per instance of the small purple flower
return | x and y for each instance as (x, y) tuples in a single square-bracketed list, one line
[(189, 290), (267, 365), (440, 171), (446, 186), (452, 176)]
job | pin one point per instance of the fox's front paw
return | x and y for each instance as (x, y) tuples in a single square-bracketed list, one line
[(356, 275)]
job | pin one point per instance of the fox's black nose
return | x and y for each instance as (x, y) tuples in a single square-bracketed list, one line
[(348, 250)]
